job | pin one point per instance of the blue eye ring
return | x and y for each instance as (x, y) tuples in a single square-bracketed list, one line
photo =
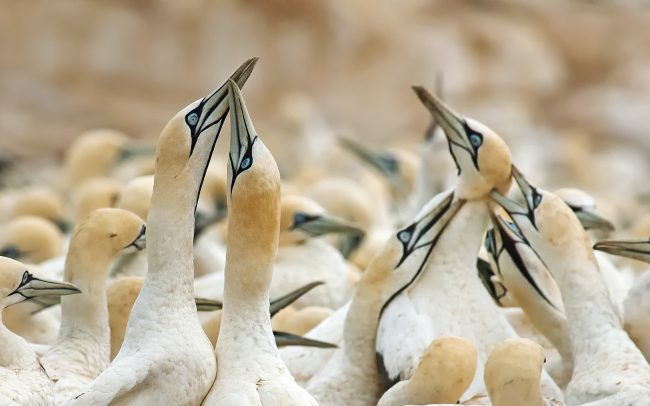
[(192, 119), (245, 163), (404, 236), (299, 218), (475, 139), (537, 200)]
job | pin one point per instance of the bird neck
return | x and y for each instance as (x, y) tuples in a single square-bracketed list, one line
[(170, 235), (15, 350), (592, 322), (361, 324), (86, 311)]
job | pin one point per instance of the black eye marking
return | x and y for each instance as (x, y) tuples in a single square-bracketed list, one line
[(26, 278), (12, 252), (245, 164), (404, 236), (475, 140), (192, 120), (390, 163), (537, 199), (300, 218)]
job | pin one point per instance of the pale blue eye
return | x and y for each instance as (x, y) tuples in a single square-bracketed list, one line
[(299, 218), (476, 140), (245, 163), (192, 119), (404, 236), (537, 200)]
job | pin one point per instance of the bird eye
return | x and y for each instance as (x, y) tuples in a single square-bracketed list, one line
[(537, 199), (25, 278), (404, 236), (476, 140), (245, 164), (299, 218), (192, 119)]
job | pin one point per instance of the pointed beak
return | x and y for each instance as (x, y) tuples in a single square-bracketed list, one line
[(638, 249), (32, 287), (350, 243), (506, 229), (383, 162), (139, 243), (510, 206), (285, 300), (591, 220), (451, 122), (320, 225), (286, 339), (207, 305), (242, 133)]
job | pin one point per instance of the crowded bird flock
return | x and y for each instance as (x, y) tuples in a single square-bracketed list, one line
[(167, 276)]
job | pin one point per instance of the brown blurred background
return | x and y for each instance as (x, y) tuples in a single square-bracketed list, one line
[(567, 83)]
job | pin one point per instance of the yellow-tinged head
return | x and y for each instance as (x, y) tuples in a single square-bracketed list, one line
[(445, 371), (481, 156), (17, 284), (302, 218), (513, 372), (105, 233), (43, 203), (31, 239)]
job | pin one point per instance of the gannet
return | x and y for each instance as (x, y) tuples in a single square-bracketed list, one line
[(445, 297), (31, 239), (81, 351), (637, 304), (350, 375), (608, 368), (165, 357), (535, 290), (23, 381), (513, 373), (444, 373), (250, 370), (41, 202), (95, 194), (303, 258)]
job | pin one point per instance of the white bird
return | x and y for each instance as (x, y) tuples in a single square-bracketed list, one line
[(23, 381), (81, 351), (350, 375), (608, 368), (165, 357), (250, 370), (445, 297)]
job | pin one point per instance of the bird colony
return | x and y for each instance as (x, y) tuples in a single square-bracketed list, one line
[(434, 275)]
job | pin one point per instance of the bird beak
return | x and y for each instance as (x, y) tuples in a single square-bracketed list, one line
[(139, 243), (506, 229), (636, 249), (284, 301), (243, 134), (490, 281), (213, 108), (451, 122), (32, 287), (136, 149), (320, 225), (207, 305), (384, 162), (510, 206), (350, 243), (591, 220), (286, 339)]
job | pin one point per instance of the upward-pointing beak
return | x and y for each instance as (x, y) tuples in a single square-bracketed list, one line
[(242, 133), (212, 109), (451, 122), (636, 249)]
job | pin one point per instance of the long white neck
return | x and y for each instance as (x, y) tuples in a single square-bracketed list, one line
[(170, 235), (594, 327), (87, 311)]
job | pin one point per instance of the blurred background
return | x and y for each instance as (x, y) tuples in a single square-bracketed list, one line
[(567, 84)]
